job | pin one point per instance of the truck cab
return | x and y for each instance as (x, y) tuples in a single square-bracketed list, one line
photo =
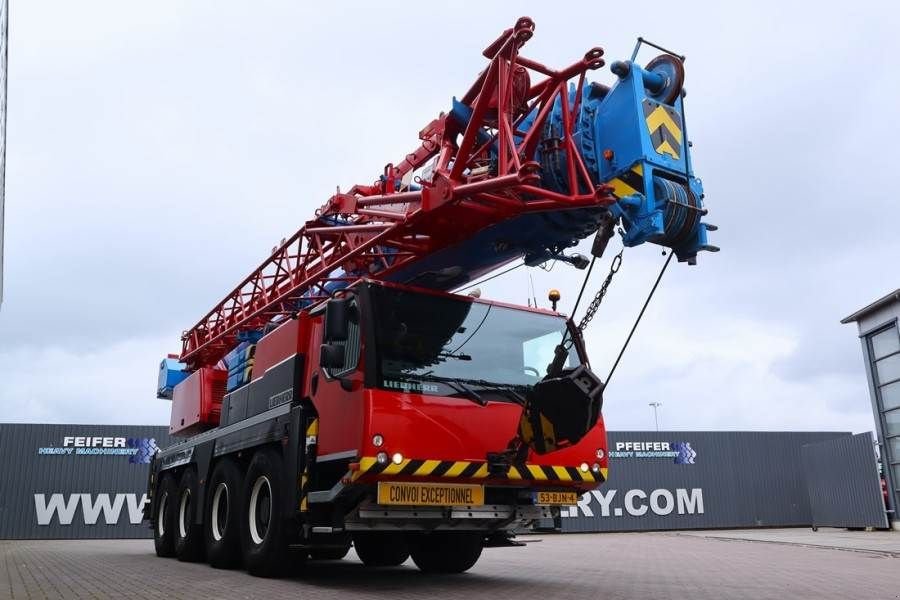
[(390, 416)]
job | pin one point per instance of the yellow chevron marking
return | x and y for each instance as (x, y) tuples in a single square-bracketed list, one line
[(427, 467), (365, 464), (303, 505), (666, 148), (562, 473), (313, 428), (393, 468), (638, 168), (456, 469), (621, 189), (659, 117), (536, 472)]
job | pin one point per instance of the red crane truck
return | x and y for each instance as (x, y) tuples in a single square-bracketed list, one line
[(342, 394)]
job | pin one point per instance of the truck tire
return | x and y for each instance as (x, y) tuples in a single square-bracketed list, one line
[(223, 516), (263, 525), (381, 549), (446, 551), (188, 536), (164, 524), (329, 553)]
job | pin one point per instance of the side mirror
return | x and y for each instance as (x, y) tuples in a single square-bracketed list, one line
[(331, 356), (337, 319)]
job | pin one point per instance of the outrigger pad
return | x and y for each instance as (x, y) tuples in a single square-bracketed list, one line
[(560, 410)]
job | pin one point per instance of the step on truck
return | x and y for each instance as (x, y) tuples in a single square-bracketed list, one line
[(348, 392)]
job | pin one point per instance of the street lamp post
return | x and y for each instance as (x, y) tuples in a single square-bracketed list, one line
[(656, 406)]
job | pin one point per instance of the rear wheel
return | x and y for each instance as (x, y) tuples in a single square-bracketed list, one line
[(223, 515), (446, 551), (381, 549), (164, 523), (188, 535), (263, 524)]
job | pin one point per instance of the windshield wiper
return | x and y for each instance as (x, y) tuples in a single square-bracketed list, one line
[(457, 386), (508, 390)]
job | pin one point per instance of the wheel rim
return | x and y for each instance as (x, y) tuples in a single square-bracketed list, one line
[(219, 516), (260, 510), (161, 515), (183, 507)]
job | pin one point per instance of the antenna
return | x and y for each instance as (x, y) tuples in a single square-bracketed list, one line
[(533, 296)]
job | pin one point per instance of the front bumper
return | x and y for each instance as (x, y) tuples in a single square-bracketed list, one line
[(369, 469), (369, 516)]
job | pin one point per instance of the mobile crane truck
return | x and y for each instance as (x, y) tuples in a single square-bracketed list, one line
[(342, 394)]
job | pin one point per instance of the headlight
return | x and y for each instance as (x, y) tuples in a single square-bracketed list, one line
[(397, 458), (378, 440), (382, 458), (600, 453), (584, 467)]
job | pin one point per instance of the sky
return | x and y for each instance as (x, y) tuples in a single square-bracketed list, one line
[(156, 152)]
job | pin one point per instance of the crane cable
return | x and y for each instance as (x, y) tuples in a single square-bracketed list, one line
[(601, 293), (471, 285), (638, 320)]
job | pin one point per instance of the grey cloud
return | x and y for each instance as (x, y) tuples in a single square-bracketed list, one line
[(157, 153)]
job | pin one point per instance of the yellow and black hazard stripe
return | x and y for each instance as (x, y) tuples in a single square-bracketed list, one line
[(628, 183), (312, 436), (664, 125), (411, 467)]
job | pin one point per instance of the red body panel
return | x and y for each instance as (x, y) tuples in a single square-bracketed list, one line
[(341, 412), (197, 402), (289, 339), (454, 429)]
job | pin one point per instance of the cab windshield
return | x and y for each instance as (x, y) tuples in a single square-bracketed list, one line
[(448, 346)]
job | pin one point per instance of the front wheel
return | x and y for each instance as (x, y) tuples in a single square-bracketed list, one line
[(381, 549), (329, 553), (446, 551)]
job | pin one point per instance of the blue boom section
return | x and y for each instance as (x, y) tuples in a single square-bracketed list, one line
[(632, 136)]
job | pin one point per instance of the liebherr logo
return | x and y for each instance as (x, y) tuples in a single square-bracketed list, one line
[(92, 506)]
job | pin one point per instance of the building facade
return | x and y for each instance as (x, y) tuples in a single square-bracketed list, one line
[(880, 340)]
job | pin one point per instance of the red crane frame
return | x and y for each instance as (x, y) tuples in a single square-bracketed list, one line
[(375, 230)]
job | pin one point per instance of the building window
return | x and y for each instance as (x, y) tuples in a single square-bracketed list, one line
[(884, 355), (892, 423)]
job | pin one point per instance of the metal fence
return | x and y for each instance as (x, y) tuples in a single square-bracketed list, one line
[(843, 483)]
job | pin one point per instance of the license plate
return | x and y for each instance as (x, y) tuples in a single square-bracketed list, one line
[(556, 498), (430, 494)]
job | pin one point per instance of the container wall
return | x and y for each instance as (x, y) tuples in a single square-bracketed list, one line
[(75, 481), (697, 480)]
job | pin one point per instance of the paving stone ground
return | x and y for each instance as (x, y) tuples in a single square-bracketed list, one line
[(584, 566)]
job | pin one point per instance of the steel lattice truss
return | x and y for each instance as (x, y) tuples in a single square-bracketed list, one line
[(474, 182)]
